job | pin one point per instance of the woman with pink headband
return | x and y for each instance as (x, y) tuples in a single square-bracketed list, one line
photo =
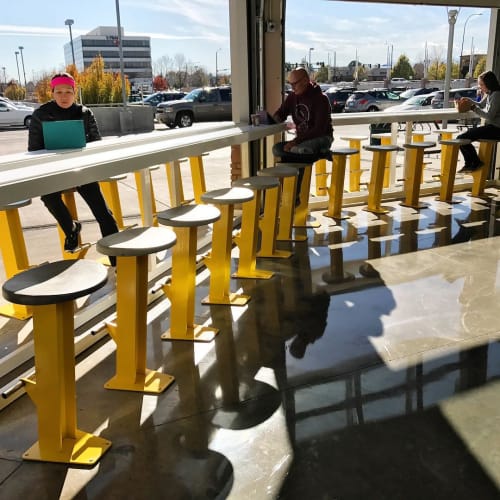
[(63, 107)]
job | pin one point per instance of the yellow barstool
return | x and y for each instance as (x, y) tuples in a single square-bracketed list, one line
[(129, 331), (354, 160), (218, 261), (14, 254), (449, 152), (247, 239), (278, 211), (413, 170), (336, 190), (109, 188), (181, 289), (380, 154), (50, 290)]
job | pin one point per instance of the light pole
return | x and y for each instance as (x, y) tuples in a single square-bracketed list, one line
[(4, 75), (310, 50), (17, 64), (216, 66), (452, 19), (22, 61), (120, 51), (463, 37), (69, 23)]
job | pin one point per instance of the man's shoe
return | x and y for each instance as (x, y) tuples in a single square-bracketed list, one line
[(471, 168), (71, 241)]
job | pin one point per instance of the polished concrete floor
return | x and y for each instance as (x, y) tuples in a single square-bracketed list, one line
[(368, 368)]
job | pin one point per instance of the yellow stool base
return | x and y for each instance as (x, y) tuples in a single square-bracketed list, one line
[(16, 311), (256, 274), (84, 449), (152, 382), (198, 333), (233, 299)]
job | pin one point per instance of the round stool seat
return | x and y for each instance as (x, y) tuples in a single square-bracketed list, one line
[(15, 204), (294, 165), (228, 196), (344, 151), (422, 132), (189, 215), (488, 140), (280, 171), (354, 137), (55, 282), (446, 131), (381, 135), (454, 142), (419, 145), (257, 183), (387, 147), (137, 241), (118, 177)]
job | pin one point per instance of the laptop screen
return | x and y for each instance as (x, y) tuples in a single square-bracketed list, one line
[(64, 134)]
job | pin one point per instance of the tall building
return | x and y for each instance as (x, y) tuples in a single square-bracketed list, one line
[(104, 41)]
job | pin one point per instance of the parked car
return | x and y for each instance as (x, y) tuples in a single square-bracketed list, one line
[(371, 100), (437, 101), (162, 96), (200, 105), (420, 91), (415, 103), (338, 98), (399, 81), (14, 116)]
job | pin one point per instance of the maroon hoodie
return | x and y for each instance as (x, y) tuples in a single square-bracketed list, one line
[(310, 112)]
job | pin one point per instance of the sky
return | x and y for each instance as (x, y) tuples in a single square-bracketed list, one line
[(199, 29)]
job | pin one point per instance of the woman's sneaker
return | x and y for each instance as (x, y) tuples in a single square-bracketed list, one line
[(71, 242)]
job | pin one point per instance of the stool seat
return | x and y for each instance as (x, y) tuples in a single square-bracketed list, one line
[(354, 137), (227, 196), (386, 147), (257, 183), (345, 151), (381, 135), (189, 215), (293, 164), (16, 204), (279, 171), (56, 282), (452, 142), (136, 241), (419, 145), (118, 177), (442, 131)]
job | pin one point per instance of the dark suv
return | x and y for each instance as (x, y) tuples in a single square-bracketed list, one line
[(206, 104), (371, 100), (338, 97)]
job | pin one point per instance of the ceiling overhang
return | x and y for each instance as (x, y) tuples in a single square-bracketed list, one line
[(494, 4)]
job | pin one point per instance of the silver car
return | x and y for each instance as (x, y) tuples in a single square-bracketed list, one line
[(371, 100)]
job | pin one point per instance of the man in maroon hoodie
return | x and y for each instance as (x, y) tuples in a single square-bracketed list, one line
[(310, 111)]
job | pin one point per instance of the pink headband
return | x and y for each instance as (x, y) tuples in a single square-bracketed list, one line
[(62, 80)]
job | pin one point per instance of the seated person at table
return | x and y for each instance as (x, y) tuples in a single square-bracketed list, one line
[(489, 109), (310, 111), (63, 107)]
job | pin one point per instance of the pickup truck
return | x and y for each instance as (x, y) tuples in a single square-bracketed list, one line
[(200, 105)]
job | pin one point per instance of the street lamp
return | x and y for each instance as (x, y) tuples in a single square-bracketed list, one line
[(120, 52), (216, 66), (22, 61), (69, 23), (452, 19), (17, 64), (4, 75), (310, 50), (463, 37)]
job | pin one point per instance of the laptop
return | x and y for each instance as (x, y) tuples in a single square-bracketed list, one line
[(265, 118), (64, 134)]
